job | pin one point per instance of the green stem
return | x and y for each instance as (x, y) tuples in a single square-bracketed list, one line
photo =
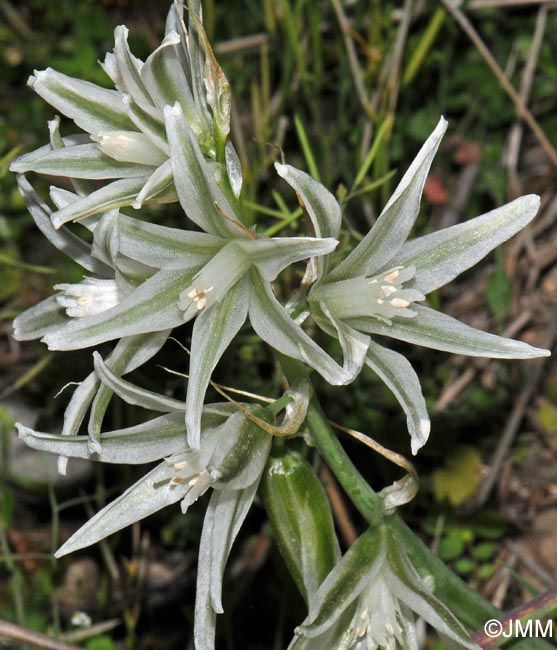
[(467, 605), (361, 494)]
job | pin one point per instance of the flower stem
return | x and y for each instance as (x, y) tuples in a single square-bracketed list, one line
[(360, 492), (468, 606)]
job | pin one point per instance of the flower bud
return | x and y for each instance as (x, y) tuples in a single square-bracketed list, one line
[(301, 518)]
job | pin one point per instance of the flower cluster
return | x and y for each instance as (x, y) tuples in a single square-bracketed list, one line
[(162, 136)]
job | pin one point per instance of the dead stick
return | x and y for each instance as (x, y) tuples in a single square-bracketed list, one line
[(35, 639), (521, 107)]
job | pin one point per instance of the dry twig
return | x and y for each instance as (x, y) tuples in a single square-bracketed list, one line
[(521, 107)]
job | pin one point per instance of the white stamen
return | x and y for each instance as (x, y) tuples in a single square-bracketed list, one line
[(388, 290), (392, 276), (390, 629), (89, 297), (193, 481), (176, 480), (400, 303), (380, 301), (181, 465)]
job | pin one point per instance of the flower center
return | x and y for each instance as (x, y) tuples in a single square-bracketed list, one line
[(89, 297), (382, 296)]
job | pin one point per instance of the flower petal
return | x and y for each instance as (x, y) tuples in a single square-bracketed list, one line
[(224, 517), (40, 320), (91, 107), (114, 195), (441, 256), (275, 326), (435, 330), (320, 205), (393, 226), (271, 256), (213, 331), (356, 569), (152, 307), (409, 588), (165, 74), (143, 443), (129, 68), (200, 196), (63, 239), (397, 373), (164, 247), (150, 494), (79, 161), (132, 394), (354, 344)]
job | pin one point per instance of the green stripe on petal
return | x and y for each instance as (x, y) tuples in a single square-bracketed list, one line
[(442, 255), (79, 161), (63, 239), (143, 443), (45, 318), (224, 517), (149, 121), (149, 495), (271, 256), (213, 331), (320, 205), (91, 107), (410, 590), (393, 226), (354, 344), (132, 394), (164, 247), (129, 68), (114, 195), (432, 329), (355, 571), (397, 373), (200, 196), (164, 75), (275, 326)]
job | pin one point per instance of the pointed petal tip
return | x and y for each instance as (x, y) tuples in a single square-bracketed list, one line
[(421, 436)]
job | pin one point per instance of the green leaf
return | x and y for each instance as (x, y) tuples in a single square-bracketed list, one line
[(460, 478), (451, 547)]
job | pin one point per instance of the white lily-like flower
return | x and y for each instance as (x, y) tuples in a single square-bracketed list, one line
[(89, 297), (230, 462), (377, 288), (125, 140), (368, 602)]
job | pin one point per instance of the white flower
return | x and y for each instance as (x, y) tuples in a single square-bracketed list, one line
[(125, 139), (366, 602), (89, 297), (375, 290)]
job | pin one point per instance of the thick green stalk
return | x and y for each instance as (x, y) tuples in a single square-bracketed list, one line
[(467, 605)]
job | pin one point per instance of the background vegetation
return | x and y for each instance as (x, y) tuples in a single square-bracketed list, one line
[(348, 91)]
